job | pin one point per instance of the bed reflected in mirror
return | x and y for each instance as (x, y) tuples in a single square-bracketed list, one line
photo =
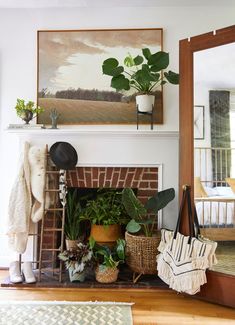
[(214, 149)]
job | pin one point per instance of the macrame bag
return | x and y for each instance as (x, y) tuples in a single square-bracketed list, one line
[(183, 260)]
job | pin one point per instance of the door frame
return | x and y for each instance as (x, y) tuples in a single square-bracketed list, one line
[(220, 287)]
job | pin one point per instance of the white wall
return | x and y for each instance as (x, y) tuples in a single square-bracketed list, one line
[(18, 63)]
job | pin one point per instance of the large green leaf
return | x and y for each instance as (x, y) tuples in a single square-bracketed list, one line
[(120, 82), (133, 206), (111, 67), (133, 226), (172, 77), (159, 60), (146, 52), (160, 200), (138, 60)]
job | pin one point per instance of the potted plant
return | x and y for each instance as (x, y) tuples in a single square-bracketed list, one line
[(143, 73), (106, 213), (77, 261), (108, 260), (72, 229), (27, 110), (141, 237)]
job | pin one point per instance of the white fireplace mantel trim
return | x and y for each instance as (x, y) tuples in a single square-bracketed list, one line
[(89, 132)]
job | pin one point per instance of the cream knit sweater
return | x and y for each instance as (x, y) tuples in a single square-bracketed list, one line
[(26, 199)]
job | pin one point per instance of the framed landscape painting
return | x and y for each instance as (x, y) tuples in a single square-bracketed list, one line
[(70, 77)]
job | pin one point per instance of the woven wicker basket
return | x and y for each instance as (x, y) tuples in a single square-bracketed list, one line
[(141, 253), (109, 275)]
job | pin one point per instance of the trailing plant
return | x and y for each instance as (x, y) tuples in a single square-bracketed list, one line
[(144, 73), (144, 217), (106, 209), (73, 213)]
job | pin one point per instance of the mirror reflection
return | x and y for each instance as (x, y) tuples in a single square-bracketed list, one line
[(214, 149)]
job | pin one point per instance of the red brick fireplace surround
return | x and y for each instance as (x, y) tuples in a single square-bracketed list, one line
[(144, 179)]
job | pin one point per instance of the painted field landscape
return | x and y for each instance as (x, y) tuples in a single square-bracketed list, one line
[(70, 77), (93, 112)]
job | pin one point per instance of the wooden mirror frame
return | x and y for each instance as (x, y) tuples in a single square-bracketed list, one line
[(220, 287)]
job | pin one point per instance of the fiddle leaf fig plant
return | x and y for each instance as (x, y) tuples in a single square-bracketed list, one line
[(144, 73), (142, 215)]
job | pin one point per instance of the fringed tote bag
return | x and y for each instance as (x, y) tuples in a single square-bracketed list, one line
[(183, 260)]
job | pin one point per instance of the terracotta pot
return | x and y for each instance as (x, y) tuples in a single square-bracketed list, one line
[(70, 244), (106, 235), (106, 275)]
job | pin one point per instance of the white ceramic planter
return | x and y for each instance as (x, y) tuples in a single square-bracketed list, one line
[(145, 102)]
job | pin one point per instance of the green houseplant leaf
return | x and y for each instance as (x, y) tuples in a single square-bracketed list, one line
[(142, 216), (133, 226), (141, 73), (160, 200), (110, 67), (133, 206), (172, 77)]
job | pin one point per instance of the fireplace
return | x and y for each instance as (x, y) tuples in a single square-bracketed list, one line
[(144, 179)]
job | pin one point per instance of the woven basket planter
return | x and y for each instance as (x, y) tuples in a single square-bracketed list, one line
[(108, 275), (141, 253)]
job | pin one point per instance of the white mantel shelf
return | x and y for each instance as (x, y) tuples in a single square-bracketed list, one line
[(89, 132)]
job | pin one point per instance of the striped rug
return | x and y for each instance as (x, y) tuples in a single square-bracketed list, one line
[(64, 313)]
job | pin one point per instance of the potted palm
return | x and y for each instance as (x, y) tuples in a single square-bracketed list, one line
[(108, 260), (27, 110), (106, 214), (72, 229), (141, 236), (143, 73)]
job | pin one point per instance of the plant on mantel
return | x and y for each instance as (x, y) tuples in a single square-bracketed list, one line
[(27, 110), (143, 73)]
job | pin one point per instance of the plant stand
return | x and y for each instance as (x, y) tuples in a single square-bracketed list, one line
[(150, 114)]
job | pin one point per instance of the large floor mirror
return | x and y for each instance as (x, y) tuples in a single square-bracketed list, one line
[(207, 148)]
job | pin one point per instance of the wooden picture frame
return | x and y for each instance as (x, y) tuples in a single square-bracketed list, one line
[(199, 122), (70, 77)]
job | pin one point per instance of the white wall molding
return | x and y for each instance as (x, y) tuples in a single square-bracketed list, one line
[(90, 132)]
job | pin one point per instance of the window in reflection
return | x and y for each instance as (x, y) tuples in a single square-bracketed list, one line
[(214, 149)]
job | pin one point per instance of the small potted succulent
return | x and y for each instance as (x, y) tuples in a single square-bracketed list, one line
[(77, 261), (108, 260), (27, 110), (143, 73)]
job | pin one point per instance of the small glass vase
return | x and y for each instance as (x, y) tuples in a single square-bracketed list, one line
[(76, 277), (27, 116)]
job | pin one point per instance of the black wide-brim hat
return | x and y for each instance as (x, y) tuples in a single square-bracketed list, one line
[(63, 155)]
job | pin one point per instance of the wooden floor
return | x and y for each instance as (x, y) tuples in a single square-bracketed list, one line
[(152, 307)]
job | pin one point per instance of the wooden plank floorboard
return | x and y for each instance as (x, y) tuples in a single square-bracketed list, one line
[(152, 307)]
